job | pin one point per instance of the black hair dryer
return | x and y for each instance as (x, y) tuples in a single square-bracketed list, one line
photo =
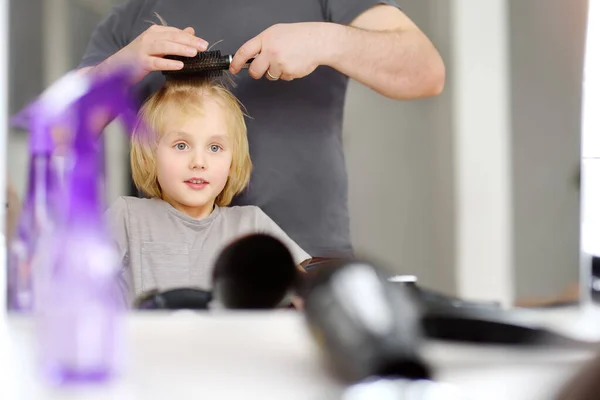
[(365, 325), (370, 333)]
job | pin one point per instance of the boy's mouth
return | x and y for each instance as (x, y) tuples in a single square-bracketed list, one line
[(196, 183)]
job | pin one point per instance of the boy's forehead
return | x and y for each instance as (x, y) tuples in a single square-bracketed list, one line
[(194, 106), (194, 119)]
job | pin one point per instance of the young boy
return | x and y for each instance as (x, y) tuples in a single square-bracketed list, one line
[(194, 161)]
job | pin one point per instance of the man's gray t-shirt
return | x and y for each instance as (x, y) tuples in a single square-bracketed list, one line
[(163, 248), (295, 130)]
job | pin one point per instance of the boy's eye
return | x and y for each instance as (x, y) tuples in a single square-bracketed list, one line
[(181, 146), (215, 148)]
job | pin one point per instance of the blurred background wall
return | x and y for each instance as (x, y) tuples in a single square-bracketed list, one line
[(413, 165), (404, 153)]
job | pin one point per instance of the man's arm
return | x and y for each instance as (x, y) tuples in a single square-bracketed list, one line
[(383, 49), (111, 45), (147, 51)]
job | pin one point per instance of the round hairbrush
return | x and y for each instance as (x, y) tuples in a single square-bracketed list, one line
[(207, 64)]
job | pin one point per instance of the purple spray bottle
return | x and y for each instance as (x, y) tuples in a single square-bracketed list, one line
[(36, 219), (80, 305), (41, 207)]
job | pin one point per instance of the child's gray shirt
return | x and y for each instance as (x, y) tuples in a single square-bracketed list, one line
[(163, 248)]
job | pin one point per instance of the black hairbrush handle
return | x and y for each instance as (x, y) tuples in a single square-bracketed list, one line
[(245, 66)]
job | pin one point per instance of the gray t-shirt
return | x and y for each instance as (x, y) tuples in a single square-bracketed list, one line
[(295, 129), (163, 248)]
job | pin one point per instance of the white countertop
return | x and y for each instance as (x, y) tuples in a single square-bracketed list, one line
[(270, 355)]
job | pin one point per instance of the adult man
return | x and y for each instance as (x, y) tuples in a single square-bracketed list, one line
[(295, 124)]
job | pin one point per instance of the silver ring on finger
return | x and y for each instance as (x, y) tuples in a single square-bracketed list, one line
[(271, 76)]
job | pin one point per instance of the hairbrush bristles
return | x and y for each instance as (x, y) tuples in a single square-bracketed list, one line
[(206, 64), (200, 74)]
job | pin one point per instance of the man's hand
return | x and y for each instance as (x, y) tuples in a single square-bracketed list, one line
[(147, 51), (285, 51), (381, 48)]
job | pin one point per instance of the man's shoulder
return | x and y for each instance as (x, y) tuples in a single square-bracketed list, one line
[(134, 7), (124, 14)]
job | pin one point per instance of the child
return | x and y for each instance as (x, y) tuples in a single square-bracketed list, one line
[(192, 165)]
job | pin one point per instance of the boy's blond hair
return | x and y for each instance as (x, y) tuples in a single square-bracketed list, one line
[(188, 96)]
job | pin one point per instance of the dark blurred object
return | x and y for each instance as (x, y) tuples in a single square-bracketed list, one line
[(445, 317), (486, 326), (365, 325), (430, 299), (595, 281), (176, 299), (585, 385), (254, 272)]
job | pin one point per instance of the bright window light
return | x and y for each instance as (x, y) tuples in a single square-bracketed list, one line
[(590, 143)]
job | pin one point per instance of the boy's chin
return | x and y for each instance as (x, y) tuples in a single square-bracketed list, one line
[(198, 203)]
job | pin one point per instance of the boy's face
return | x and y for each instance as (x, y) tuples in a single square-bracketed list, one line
[(193, 159)]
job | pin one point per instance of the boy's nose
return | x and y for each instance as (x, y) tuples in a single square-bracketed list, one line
[(198, 161)]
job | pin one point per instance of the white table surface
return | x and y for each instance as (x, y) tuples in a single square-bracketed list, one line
[(270, 355)]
